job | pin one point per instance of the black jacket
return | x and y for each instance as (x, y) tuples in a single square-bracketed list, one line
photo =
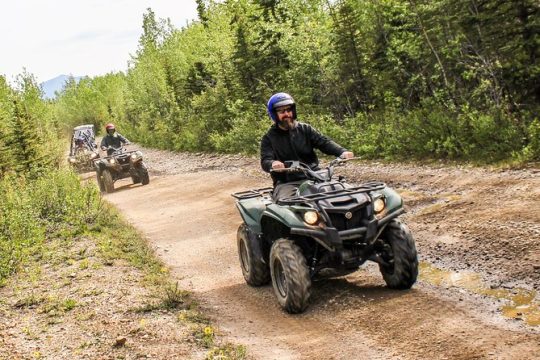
[(296, 144), (115, 141)]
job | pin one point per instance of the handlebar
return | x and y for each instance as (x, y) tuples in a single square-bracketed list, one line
[(293, 166), (341, 161), (109, 147), (114, 148)]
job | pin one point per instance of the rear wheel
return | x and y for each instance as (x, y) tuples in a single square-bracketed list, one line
[(290, 276), (107, 181), (402, 270), (255, 271)]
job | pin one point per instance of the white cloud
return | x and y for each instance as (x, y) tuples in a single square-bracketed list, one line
[(84, 37)]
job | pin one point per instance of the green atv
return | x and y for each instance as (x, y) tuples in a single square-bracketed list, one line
[(329, 225)]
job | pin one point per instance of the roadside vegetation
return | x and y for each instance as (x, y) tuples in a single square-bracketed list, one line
[(396, 79), (75, 278)]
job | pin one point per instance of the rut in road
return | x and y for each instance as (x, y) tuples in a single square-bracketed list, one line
[(191, 220)]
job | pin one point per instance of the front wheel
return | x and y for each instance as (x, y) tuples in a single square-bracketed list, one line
[(402, 270), (100, 182), (108, 182), (255, 271), (290, 276), (135, 179), (143, 175)]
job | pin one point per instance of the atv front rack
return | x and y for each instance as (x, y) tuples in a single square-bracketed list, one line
[(248, 194), (366, 187), (122, 155)]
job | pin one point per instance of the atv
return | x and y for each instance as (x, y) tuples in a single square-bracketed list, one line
[(120, 164), (329, 226)]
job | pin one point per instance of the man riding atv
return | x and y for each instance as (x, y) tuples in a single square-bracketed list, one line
[(112, 140), (311, 222), (119, 163), (289, 139)]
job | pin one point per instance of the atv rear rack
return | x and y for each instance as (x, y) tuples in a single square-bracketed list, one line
[(366, 187), (248, 194)]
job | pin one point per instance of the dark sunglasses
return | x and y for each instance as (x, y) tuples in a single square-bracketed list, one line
[(283, 111)]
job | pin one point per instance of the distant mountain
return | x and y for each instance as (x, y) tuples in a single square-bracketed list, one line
[(57, 84)]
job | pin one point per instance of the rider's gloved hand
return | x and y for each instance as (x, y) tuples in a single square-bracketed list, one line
[(277, 165), (347, 155)]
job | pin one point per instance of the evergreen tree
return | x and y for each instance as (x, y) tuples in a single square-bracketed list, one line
[(201, 12), (355, 86)]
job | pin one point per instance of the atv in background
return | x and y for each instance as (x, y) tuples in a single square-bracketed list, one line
[(120, 164), (329, 225), (83, 148)]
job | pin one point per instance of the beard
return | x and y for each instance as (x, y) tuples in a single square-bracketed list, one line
[(287, 123)]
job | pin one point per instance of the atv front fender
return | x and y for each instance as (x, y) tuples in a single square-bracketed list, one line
[(285, 215), (251, 211), (394, 201), (100, 166)]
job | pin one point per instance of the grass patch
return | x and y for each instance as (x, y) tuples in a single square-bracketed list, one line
[(29, 301), (84, 264), (187, 316), (54, 306), (227, 352), (171, 298)]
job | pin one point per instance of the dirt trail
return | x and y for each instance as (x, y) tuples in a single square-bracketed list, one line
[(188, 215)]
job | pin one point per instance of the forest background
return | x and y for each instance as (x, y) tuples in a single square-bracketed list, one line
[(454, 80)]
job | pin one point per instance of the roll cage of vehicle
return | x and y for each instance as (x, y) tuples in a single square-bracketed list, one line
[(84, 134)]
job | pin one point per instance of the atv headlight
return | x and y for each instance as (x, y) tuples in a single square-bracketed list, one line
[(136, 155), (311, 217), (112, 161), (72, 160), (378, 205)]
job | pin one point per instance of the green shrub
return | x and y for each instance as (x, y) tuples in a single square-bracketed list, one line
[(531, 152), (32, 210), (243, 138), (68, 202), (20, 227)]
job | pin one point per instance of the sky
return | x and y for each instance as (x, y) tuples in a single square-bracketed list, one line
[(77, 37)]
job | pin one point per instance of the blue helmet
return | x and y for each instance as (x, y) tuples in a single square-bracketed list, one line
[(278, 100)]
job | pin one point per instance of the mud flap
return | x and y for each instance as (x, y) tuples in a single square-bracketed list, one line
[(255, 240)]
